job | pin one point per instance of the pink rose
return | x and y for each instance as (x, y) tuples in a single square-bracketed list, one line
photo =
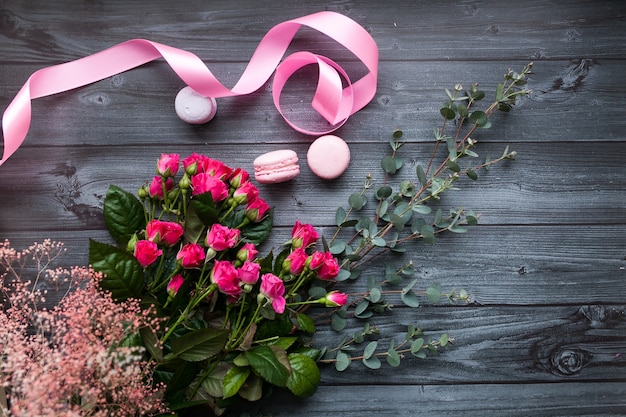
[(147, 252), (295, 261), (225, 276), (191, 255), (203, 183), (249, 272), (167, 165), (156, 186), (167, 233), (195, 163), (218, 169), (335, 299), (329, 267), (303, 235), (325, 264), (256, 210), (221, 237), (247, 252), (238, 177), (273, 289), (246, 192), (174, 285)]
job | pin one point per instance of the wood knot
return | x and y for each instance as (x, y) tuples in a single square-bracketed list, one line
[(569, 361)]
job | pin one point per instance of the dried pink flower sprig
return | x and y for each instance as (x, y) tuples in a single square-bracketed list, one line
[(74, 359), (189, 245)]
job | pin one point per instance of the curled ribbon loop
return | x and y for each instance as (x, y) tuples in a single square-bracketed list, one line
[(331, 100)]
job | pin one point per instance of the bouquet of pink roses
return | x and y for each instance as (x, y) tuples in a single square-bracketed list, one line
[(233, 321)]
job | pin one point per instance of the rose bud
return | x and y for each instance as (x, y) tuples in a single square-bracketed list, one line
[(249, 272), (167, 165), (303, 235), (156, 186), (329, 268), (256, 210), (194, 163), (273, 289), (174, 285), (294, 263), (334, 299), (247, 252), (246, 192), (238, 177)]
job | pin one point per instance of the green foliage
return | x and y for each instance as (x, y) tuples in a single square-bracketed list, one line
[(123, 274), (123, 214), (406, 210)]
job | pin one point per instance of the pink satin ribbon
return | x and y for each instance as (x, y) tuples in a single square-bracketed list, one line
[(331, 100)]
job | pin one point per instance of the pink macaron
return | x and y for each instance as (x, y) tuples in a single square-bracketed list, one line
[(276, 166), (328, 157)]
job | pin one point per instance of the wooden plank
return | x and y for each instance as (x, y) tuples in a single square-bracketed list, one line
[(408, 98), (550, 183), (496, 265), (550, 400), (404, 30)]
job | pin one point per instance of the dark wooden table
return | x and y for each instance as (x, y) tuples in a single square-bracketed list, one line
[(546, 333)]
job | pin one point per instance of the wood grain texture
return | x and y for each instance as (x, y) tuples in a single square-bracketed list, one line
[(545, 333)]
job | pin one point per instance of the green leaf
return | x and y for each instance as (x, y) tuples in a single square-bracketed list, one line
[(205, 208), (340, 216), (361, 308), (428, 233), (342, 361), (234, 379), (383, 192), (421, 209), (124, 214), (379, 241), (433, 293), (264, 361), (417, 345), (194, 227), (357, 201), (443, 340), (305, 375), (370, 349), (199, 345), (410, 299), (393, 357), (123, 274), (479, 118), (375, 295), (213, 384), (462, 109), (457, 229), (472, 174), (388, 164), (151, 343), (252, 389), (447, 113), (421, 175), (453, 166), (337, 322), (337, 247), (305, 323), (258, 232), (372, 362), (343, 275)]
